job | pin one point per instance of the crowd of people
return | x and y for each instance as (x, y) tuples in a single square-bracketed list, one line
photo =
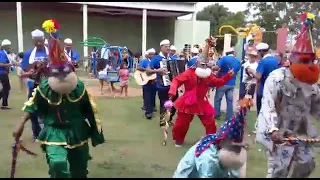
[(287, 100)]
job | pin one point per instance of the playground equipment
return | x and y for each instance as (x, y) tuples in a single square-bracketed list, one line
[(115, 56), (242, 33)]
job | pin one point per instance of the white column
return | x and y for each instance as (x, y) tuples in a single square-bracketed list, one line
[(19, 27), (85, 28), (144, 31), (194, 29)]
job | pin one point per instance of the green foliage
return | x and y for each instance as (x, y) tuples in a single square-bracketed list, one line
[(218, 15), (272, 15)]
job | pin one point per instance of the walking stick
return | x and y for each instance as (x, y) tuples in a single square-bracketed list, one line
[(17, 146), (166, 127)]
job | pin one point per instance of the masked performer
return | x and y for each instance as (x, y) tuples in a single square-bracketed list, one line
[(219, 155), (68, 112), (196, 81), (290, 99)]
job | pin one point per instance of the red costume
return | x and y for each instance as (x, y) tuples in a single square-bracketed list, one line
[(194, 102)]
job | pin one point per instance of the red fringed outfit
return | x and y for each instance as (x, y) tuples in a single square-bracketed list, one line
[(194, 102)]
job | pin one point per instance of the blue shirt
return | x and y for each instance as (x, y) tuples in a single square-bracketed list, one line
[(155, 64), (3, 59), (144, 63), (265, 66), (174, 57), (40, 55), (227, 63), (75, 55)]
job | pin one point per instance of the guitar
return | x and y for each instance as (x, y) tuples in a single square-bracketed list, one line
[(142, 78)]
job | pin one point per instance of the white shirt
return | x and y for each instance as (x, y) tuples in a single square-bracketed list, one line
[(252, 68)]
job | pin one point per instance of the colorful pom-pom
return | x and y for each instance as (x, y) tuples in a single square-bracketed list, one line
[(51, 26), (310, 16)]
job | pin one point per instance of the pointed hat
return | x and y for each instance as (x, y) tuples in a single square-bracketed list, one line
[(303, 49), (56, 53)]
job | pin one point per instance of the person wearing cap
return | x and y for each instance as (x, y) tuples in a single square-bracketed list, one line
[(5, 65), (70, 117), (158, 66), (290, 104), (194, 52), (266, 65), (172, 53), (72, 55), (224, 64), (249, 73), (218, 155), (196, 81), (149, 90), (38, 53)]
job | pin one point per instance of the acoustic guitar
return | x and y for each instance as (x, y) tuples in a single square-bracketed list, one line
[(142, 78)]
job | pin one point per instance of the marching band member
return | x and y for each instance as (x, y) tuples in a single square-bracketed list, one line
[(290, 101), (172, 53), (70, 117), (149, 90), (196, 80), (155, 67), (72, 55), (194, 52), (38, 53), (5, 65), (266, 65)]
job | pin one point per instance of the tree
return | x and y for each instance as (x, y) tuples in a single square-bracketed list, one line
[(272, 15), (218, 15)]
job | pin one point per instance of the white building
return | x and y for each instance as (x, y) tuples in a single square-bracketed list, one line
[(137, 25)]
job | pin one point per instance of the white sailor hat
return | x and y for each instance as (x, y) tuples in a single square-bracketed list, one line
[(262, 46), (68, 41), (37, 34), (150, 51), (231, 49), (5, 42), (253, 52), (173, 48), (195, 50), (165, 42), (46, 42)]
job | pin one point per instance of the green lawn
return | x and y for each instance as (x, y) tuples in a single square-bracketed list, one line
[(133, 145)]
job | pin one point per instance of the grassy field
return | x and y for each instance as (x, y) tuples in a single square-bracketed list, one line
[(133, 145)]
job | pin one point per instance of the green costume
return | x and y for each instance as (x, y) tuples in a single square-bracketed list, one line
[(69, 121)]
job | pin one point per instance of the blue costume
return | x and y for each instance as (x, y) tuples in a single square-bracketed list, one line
[(4, 78), (202, 159)]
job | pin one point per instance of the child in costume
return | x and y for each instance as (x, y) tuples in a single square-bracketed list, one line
[(290, 103), (69, 115), (219, 155), (196, 81)]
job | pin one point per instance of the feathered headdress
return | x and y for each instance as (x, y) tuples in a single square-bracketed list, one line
[(56, 54), (303, 49)]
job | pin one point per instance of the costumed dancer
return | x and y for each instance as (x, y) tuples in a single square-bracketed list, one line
[(291, 98), (158, 65), (219, 155), (72, 55), (196, 81), (69, 114)]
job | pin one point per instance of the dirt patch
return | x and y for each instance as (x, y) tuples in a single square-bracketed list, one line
[(95, 91)]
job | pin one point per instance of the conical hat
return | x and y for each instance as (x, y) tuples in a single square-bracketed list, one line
[(303, 49)]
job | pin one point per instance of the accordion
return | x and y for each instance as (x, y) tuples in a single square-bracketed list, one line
[(174, 67)]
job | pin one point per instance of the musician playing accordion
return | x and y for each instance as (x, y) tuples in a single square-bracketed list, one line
[(158, 65), (196, 80)]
